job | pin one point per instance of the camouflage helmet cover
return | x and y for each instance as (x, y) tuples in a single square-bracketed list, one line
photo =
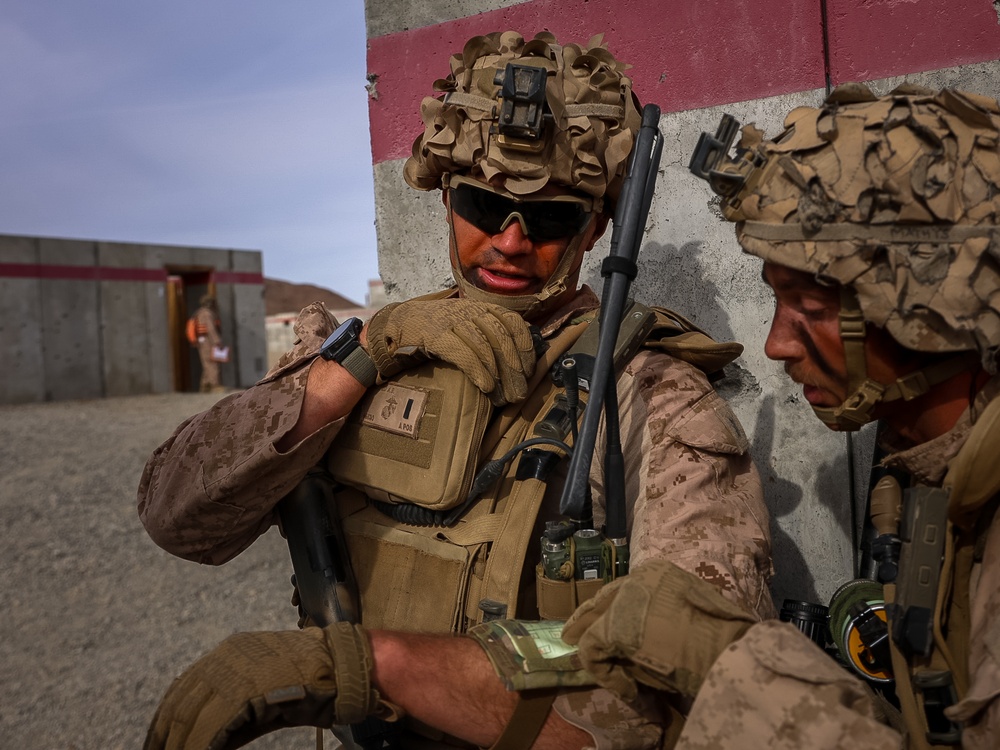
[(897, 197), (595, 117)]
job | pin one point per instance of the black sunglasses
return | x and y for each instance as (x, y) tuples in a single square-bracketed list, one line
[(541, 218)]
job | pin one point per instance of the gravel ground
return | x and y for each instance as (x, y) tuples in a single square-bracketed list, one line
[(96, 619)]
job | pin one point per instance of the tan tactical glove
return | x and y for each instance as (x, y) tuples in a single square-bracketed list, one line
[(255, 683), (490, 344), (660, 626)]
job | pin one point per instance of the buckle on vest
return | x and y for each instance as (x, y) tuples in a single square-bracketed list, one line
[(492, 610), (938, 692), (913, 385)]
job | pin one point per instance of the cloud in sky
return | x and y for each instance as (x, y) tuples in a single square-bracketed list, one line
[(232, 123)]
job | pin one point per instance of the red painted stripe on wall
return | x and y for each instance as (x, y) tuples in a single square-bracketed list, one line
[(237, 277), (870, 39), (79, 273), (110, 273), (698, 54), (687, 54)]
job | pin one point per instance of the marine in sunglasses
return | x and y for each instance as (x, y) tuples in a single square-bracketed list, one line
[(528, 140)]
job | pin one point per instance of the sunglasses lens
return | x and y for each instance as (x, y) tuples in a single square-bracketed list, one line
[(549, 220), (546, 220)]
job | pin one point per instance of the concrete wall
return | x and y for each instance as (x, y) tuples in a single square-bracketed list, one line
[(756, 59), (85, 319)]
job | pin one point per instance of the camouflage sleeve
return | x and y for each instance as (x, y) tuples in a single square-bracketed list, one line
[(775, 688), (696, 497), (210, 490), (612, 723)]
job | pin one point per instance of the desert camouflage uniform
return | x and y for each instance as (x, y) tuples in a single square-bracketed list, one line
[(774, 688), (894, 199), (211, 489)]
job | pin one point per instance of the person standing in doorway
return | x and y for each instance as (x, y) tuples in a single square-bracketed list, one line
[(209, 343)]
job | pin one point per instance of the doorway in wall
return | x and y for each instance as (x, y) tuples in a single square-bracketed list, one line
[(185, 288)]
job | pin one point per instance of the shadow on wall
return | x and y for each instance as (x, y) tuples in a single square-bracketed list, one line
[(680, 278), (791, 571), (675, 277)]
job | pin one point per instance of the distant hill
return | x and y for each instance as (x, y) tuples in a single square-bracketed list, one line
[(286, 297)]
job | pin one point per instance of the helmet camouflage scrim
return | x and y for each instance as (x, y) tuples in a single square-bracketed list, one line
[(520, 115), (588, 120), (895, 198)]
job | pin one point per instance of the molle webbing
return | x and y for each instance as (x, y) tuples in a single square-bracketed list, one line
[(433, 579)]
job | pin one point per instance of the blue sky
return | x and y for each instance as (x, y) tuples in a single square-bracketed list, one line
[(222, 123)]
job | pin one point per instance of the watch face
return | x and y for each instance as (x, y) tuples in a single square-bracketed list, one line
[(346, 335)]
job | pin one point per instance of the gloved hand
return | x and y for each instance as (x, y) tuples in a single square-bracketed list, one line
[(490, 344), (660, 625), (255, 683)]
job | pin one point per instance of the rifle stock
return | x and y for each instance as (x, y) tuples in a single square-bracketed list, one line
[(323, 575)]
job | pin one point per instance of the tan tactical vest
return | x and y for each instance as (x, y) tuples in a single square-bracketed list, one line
[(419, 439)]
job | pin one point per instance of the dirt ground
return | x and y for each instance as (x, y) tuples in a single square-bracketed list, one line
[(96, 620)]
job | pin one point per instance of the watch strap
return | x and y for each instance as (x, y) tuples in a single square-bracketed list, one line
[(359, 363)]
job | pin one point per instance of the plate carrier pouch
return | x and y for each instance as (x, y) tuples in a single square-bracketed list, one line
[(442, 579), (934, 680)]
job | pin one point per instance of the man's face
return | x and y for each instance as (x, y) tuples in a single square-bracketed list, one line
[(805, 336), (509, 261)]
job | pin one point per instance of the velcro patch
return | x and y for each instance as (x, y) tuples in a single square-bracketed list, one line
[(397, 409)]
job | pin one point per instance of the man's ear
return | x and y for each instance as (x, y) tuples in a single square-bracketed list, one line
[(601, 222)]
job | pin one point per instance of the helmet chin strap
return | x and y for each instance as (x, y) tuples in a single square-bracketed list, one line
[(527, 305), (864, 393)]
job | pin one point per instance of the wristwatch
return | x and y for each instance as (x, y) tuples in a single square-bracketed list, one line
[(344, 347)]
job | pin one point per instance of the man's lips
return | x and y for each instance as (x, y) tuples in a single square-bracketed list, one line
[(505, 281), (813, 394)]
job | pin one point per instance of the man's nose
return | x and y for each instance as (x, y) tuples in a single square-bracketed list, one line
[(781, 343), (513, 239)]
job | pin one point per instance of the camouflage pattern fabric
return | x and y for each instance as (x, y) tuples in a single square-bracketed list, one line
[(211, 489), (595, 117), (775, 688), (928, 462), (530, 654), (897, 197), (698, 500), (613, 724)]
